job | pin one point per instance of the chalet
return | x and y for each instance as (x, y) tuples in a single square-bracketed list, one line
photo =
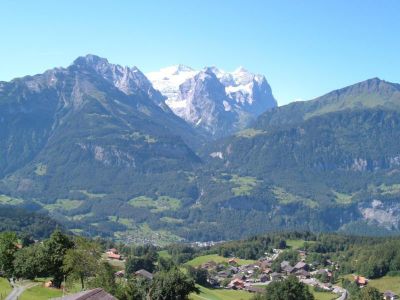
[(111, 255), (275, 276), (249, 271), (288, 270), (239, 276), (301, 265), (145, 274), (360, 281), (389, 295), (302, 274), (267, 271), (232, 262), (265, 264), (236, 284)]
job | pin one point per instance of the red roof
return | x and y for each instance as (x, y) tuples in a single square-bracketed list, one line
[(360, 280), (113, 255)]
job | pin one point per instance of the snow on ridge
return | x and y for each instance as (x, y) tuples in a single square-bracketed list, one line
[(167, 80)]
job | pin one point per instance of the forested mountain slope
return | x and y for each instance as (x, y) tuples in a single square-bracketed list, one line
[(96, 146)]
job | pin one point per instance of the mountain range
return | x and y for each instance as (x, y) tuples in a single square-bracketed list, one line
[(197, 155)]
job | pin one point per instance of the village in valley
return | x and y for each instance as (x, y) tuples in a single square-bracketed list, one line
[(237, 274)]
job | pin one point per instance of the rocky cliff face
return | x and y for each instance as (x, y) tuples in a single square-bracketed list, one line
[(213, 100), (95, 117)]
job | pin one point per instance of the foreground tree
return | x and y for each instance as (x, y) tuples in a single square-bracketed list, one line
[(30, 262), (199, 275), (288, 289), (82, 261), (134, 264), (137, 288), (105, 279), (8, 248), (55, 249), (172, 285), (370, 293)]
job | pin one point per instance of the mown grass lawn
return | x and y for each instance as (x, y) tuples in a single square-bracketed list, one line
[(5, 288), (220, 294), (216, 258), (40, 293), (386, 283)]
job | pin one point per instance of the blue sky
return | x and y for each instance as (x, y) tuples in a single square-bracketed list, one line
[(304, 48)]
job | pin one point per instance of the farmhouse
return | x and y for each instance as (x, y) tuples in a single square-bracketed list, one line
[(236, 284), (360, 281)]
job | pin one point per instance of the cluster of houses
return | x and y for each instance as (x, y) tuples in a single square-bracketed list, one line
[(254, 277)]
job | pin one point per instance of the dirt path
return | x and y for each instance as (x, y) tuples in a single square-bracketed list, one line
[(19, 288)]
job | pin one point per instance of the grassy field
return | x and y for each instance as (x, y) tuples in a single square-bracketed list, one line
[(63, 204), (249, 133), (386, 283), (40, 293), (4, 199), (323, 295), (295, 244), (5, 288), (343, 198), (164, 254), (284, 197), (220, 294), (216, 258), (162, 203), (244, 185)]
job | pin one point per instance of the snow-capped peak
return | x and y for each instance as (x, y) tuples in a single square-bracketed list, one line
[(237, 93), (241, 69), (168, 80)]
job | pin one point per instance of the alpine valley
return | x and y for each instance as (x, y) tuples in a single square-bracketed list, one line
[(196, 155)]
